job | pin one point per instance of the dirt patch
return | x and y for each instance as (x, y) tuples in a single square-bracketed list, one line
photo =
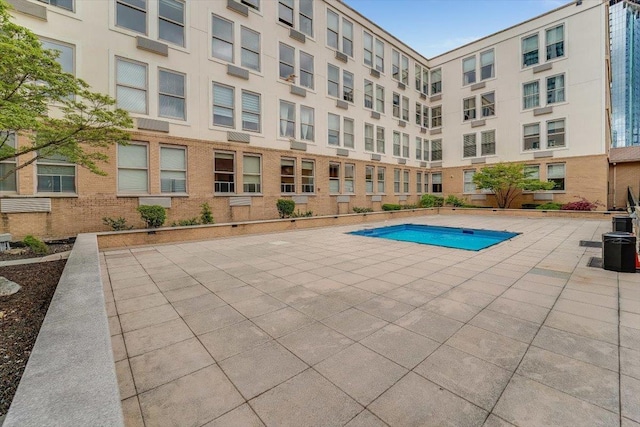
[(19, 251), (21, 316)]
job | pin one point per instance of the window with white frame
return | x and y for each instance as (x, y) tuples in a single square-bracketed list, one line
[(306, 70), (368, 137), (380, 56), (380, 140), (8, 166), (368, 178), (368, 97), (56, 175), (396, 180), (305, 17), (436, 81), (334, 178), (418, 148), (469, 70), (469, 108), (287, 12), (381, 171), (308, 176), (436, 116), (436, 182), (224, 171), (133, 169), (488, 143), (399, 67), (556, 174), (253, 4), (131, 86), (469, 185), (173, 170), (487, 65), (287, 66), (249, 49), (373, 52), (555, 42), (396, 105), (132, 15), (380, 99), (530, 50), (425, 116), (555, 134), (307, 123), (422, 79), (405, 145), (426, 182), (250, 111), (333, 81), (333, 29), (66, 54), (287, 119), (555, 89), (347, 37), (532, 172), (222, 38), (418, 114), (405, 181), (405, 108), (171, 94), (418, 182), (488, 104), (396, 143), (223, 43), (368, 94), (469, 148), (349, 137), (367, 45), (251, 173), (333, 129), (171, 21), (349, 178), (347, 86), (531, 133), (436, 150), (223, 105), (287, 175), (531, 95), (63, 4)]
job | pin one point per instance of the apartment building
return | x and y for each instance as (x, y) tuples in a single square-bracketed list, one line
[(240, 103)]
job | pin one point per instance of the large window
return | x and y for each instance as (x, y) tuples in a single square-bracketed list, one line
[(396, 105), (555, 42), (333, 29), (368, 137), (306, 70), (224, 173), (132, 15), (436, 150), (405, 145), (368, 94), (532, 171), (249, 49), (308, 180), (469, 185), (334, 178), (333, 129), (131, 86), (381, 177), (287, 119), (9, 183), (173, 170), (222, 42), (287, 69), (531, 136), (64, 4), (422, 79), (555, 89), (251, 173), (530, 50), (396, 144), (171, 21), (556, 174), (349, 137), (306, 123), (347, 37), (349, 178), (373, 52), (418, 182), (487, 68), (469, 70), (368, 179), (469, 108), (436, 117), (380, 141), (347, 86), (405, 108), (469, 145), (223, 105), (488, 104), (488, 143), (286, 13), (419, 148), (436, 81), (287, 175), (171, 93), (56, 175), (436, 182), (65, 54), (367, 42), (405, 181), (133, 169), (396, 180), (333, 81), (531, 95), (555, 133), (400, 67), (379, 56), (250, 111), (287, 61)]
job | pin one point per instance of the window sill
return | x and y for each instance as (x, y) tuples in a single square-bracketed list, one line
[(173, 195), (56, 195)]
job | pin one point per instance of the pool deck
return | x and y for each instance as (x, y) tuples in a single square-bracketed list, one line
[(322, 328)]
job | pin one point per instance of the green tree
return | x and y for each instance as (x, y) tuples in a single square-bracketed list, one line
[(56, 113), (506, 181)]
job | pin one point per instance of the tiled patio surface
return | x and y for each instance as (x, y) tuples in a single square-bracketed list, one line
[(321, 328)]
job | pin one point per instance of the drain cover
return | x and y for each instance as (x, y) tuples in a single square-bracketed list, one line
[(590, 243), (595, 262)]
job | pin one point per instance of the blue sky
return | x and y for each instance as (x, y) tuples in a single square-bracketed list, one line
[(433, 27)]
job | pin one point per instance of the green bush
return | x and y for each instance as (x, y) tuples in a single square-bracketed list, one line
[(391, 207), (36, 245), (550, 206), (454, 201), (116, 224), (299, 214), (431, 201), (530, 205), (206, 216), (186, 222), (153, 215), (285, 207), (362, 210), (409, 206)]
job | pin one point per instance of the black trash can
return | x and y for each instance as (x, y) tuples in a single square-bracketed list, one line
[(619, 252), (622, 223)]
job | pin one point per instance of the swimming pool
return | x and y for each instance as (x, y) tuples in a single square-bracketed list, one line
[(469, 239)]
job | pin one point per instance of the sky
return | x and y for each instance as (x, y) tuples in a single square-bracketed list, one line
[(432, 27)]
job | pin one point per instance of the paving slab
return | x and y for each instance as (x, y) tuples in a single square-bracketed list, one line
[(231, 340), (315, 342), (242, 416), (400, 345), (354, 323), (431, 325)]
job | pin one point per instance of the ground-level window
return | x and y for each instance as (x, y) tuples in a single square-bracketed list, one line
[(133, 172), (308, 176), (396, 180), (287, 176), (368, 178), (224, 173), (436, 182), (251, 174), (334, 177), (381, 176), (9, 183), (556, 174), (469, 185), (173, 170), (349, 178), (56, 175)]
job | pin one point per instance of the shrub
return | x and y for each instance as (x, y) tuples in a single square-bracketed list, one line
[(206, 216), (431, 201), (285, 207), (530, 205), (455, 201), (299, 214), (550, 206), (116, 224), (362, 210), (409, 206), (186, 222), (153, 215), (36, 245), (581, 205), (391, 207)]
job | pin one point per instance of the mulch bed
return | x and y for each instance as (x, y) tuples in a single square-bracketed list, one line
[(54, 248), (21, 316)]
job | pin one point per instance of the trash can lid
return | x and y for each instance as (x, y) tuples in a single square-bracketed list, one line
[(617, 234)]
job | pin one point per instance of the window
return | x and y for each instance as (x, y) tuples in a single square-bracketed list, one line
[(469, 108), (381, 174), (347, 37), (367, 42), (306, 70), (65, 54), (532, 171), (419, 148), (436, 182), (250, 49), (131, 86), (349, 177), (405, 70), (425, 116), (132, 15), (418, 182), (334, 178), (422, 79), (56, 175), (308, 185), (555, 174), (399, 67), (396, 105), (287, 119), (436, 117), (171, 103), (222, 42), (223, 104), (488, 104), (347, 86), (555, 89), (368, 94), (396, 180), (349, 141), (305, 15), (368, 137), (333, 130), (173, 170), (287, 176), (251, 174), (333, 81), (531, 95), (254, 4), (436, 81), (487, 69), (425, 150), (333, 29), (171, 21), (469, 70), (379, 56), (285, 12), (224, 173), (488, 143), (436, 150), (426, 183), (418, 114), (405, 145), (9, 183), (306, 123), (405, 108), (380, 142), (250, 111), (287, 67), (469, 185), (405, 181), (531, 136), (133, 174), (396, 144), (368, 179), (380, 99), (469, 145), (64, 4), (555, 133), (287, 62), (530, 50), (555, 42)]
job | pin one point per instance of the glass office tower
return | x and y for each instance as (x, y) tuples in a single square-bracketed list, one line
[(624, 27)]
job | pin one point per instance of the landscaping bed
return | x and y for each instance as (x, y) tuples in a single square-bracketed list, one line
[(20, 251), (21, 316)]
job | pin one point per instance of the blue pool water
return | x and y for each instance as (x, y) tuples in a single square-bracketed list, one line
[(460, 238)]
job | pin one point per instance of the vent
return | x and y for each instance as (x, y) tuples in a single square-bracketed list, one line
[(401, 86), (595, 262), (402, 198), (478, 160), (477, 86), (376, 157), (25, 205), (341, 57), (152, 124), (300, 200), (152, 46), (542, 196), (374, 73), (478, 123), (237, 7), (297, 35), (343, 199), (542, 154), (541, 111), (376, 198), (423, 164), (402, 123), (423, 96), (238, 137), (165, 202), (423, 130), (342, 152), (543, 67), (402, 161), (342, 104), (239, 201), (300, 146), (375, 115), (234, 71), (435, 98), (435, 131), (298, 91)]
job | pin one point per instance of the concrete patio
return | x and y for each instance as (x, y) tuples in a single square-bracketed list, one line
[(322, 328)]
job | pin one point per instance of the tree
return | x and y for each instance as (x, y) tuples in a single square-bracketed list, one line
[(55, 112), (507, 180)]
